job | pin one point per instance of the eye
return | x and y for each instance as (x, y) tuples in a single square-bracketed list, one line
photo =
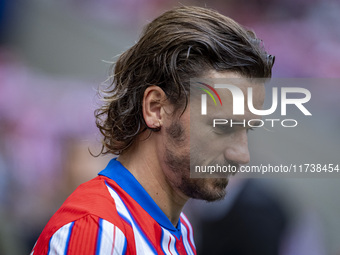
[(223, 129)]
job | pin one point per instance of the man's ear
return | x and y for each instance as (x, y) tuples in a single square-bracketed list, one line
[(153, 100)]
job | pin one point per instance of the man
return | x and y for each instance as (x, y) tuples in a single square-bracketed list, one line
[(134, 205)]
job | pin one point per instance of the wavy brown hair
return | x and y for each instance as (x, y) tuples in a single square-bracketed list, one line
[(178, 45)]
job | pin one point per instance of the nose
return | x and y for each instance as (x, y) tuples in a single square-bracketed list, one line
[(236, 150)]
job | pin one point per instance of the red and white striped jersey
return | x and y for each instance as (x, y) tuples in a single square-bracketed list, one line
[(113, 214)]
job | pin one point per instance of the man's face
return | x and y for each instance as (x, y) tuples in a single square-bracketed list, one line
[(192, 140)]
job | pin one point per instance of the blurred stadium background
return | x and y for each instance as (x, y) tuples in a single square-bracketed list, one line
[(55, 54)]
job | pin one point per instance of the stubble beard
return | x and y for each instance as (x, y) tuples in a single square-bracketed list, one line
[(209, 189)]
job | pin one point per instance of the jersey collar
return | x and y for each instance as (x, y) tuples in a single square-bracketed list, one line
[(118, 173)]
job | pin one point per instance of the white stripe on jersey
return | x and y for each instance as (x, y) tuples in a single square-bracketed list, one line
[(142, 244), (112, 239), (59, 241), (168, 242), (185, 240), (191, 232)]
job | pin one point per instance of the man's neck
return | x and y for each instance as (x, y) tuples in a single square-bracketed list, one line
[(145, 167)]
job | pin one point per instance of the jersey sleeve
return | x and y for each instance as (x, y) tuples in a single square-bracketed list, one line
[(89, 235)]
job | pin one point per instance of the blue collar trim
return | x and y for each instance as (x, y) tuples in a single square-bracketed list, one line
[(118, 173)]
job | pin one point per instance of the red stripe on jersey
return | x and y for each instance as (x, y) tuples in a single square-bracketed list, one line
[(184, 221), (169, 245), (180, 247), (141, 217), (84, 236)]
